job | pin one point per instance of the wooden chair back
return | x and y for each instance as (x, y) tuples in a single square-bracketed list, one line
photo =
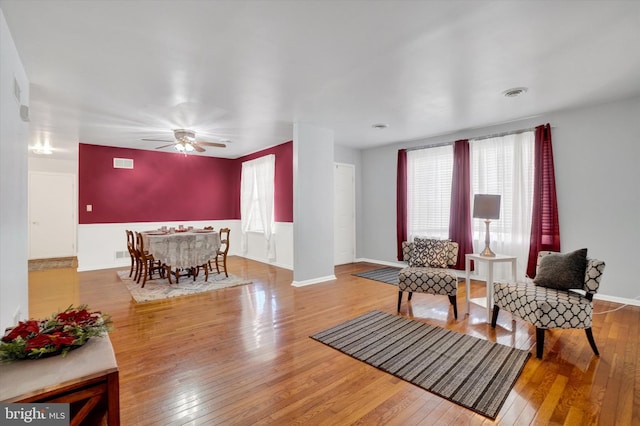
[(224, 241), (131, 244)]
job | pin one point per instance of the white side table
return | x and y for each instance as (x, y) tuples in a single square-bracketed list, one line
[(486, 301)]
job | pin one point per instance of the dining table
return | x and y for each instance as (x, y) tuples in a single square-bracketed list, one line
[(182, 252)]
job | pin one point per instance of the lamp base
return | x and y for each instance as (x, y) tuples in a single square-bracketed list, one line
[(487, 252)]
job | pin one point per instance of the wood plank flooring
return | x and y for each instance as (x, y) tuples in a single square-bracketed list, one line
[(242, 355)]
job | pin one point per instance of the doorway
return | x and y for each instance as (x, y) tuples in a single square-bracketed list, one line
[(344, 214), (52, 215)]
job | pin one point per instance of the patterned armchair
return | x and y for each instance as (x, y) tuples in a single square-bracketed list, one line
[(547, 308), (429, 269)]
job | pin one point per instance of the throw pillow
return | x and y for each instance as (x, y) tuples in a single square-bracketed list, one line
[(562, 271), (437, 253), (419, 254), (429, 252)]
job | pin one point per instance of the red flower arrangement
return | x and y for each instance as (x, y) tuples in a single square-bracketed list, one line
[(59, 334)]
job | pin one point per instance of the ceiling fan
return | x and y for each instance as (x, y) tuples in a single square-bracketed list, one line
[(185, 141)]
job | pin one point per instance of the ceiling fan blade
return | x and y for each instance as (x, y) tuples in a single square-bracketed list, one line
[(157, 140), (216, 144), (198, 147), (164, 146)]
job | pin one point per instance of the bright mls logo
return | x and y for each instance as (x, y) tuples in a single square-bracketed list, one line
[(34, 414)]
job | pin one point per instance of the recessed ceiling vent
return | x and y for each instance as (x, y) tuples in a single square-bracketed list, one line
[(516, 91), (123, 163)]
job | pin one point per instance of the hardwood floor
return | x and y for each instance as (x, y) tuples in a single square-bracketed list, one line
[(242, 355)]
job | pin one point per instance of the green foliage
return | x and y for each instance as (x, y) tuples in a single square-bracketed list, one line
[(56, 335)]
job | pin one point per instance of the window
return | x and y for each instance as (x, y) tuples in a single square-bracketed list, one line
[(504, 165), (257, 201), (429, 174), (501, 165), (256, 195)]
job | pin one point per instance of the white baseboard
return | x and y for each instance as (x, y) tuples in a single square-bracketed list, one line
[(313, 281), (382, 262), (262, 260), (615, 299)]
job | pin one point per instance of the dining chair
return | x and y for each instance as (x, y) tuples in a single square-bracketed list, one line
[(148, 264), (131, 246), (221, 254)]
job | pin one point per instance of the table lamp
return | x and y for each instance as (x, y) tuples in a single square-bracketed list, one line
[(487, 207)]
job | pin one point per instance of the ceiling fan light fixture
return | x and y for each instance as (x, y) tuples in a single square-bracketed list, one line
[(42, 150), (185, 141), (184, 147), (184, 135)]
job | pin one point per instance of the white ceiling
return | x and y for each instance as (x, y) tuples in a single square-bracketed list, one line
[(114, 72)]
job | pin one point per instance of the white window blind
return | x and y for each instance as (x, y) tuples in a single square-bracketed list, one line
[(429, 173)]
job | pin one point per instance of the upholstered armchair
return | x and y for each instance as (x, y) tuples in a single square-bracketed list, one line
[(428, 269), (546, 307)]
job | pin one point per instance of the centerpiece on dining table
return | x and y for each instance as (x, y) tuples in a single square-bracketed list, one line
[(57, 335)]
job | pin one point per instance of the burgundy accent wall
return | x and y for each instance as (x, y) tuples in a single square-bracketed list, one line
[(172, 187), (160, 187), (283, 191)]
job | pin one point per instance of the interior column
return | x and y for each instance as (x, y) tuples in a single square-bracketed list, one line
[(312, 204)]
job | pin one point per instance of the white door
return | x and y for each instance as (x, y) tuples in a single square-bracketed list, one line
[(52, 215), (344, 217)]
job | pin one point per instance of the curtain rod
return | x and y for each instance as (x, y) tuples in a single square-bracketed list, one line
[(435, 145), (495, 135), (499, 135)]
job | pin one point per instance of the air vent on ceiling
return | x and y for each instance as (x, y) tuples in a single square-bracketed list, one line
[(123, 163)]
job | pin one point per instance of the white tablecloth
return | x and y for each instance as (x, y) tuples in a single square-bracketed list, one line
[(183, 249)]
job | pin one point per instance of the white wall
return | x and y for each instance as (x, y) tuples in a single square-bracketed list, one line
[(313, 159), (103, 246), (14, 290), (596, 154), (52, 165), (597, 157)]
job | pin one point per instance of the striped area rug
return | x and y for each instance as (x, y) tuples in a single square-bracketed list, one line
[(474, 373), (387, 275)]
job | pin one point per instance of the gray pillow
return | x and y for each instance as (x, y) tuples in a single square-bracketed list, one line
[(562, 271)]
